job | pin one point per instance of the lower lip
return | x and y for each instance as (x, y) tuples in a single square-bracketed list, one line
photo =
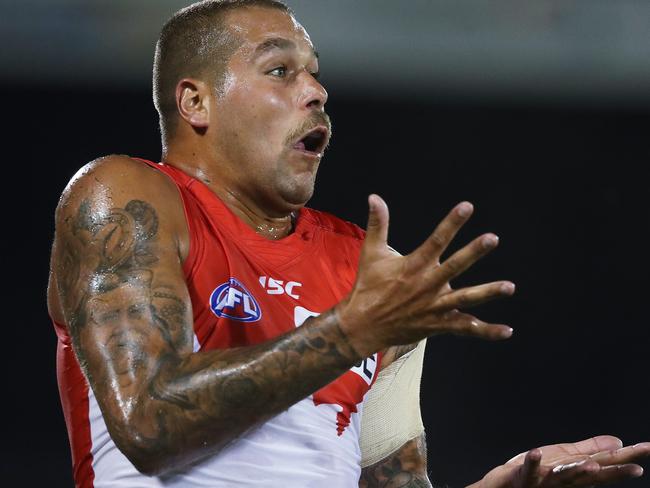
[(308, 154)]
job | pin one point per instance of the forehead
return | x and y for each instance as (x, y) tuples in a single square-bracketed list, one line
[(255, 25)]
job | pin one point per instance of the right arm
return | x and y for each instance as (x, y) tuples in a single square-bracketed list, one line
[(117, 266)]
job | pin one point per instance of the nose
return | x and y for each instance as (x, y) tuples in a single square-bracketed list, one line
[(313, 94)]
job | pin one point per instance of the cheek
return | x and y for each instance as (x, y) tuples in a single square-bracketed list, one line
[(255, 120), (268, 113), (261, 105)]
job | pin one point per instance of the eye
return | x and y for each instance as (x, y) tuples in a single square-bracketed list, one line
[(280, 71), (316, 74)]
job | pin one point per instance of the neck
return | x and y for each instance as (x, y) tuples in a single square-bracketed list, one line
[(269, 225)]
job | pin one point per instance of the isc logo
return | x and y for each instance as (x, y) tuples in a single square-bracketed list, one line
[(233, 301), (277, 287)]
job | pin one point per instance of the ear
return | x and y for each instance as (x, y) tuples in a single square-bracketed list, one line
[(193, 102)]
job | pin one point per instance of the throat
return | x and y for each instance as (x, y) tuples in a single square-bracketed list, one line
[(276, 229)]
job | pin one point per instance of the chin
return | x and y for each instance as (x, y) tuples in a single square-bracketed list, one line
[(299, 192)]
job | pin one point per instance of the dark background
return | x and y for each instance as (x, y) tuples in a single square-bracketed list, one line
[(561, 179)]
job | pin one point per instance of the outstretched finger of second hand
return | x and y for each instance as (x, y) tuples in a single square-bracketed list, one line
[(589, 473), (530, 469), (623, 455), (580, 473)]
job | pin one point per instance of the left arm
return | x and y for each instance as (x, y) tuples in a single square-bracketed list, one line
[(392, 354), (406, 467), (392, 435)]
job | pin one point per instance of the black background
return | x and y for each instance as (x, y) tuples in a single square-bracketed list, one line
[(563, 185)]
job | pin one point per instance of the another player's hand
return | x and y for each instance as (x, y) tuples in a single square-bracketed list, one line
[(592, 462), (402, 299)]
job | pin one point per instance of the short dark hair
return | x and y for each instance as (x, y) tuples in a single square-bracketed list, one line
[(195, 42)]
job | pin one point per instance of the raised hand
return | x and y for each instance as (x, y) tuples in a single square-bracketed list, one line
[(592, 462), (402, 299)]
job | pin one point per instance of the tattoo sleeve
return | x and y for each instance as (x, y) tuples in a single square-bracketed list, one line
[(129, 315), (407, 467)]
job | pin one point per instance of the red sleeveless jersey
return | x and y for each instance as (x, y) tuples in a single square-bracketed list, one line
[(245, 290)]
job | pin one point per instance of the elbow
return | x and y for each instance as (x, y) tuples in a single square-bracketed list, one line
[(147, 465), (159, 455), (147, 455), (147, 461)]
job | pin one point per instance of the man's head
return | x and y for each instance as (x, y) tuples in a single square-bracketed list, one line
[(237, 78), (197, 43)]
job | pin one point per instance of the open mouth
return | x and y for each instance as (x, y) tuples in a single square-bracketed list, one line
[(314, 141)]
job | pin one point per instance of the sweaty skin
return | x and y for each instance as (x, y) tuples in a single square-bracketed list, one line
[(121, 239)]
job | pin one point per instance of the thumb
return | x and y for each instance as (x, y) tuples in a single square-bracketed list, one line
[(377, 229)]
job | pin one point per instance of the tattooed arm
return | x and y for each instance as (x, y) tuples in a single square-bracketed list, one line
[(407, 467), (118, 285)]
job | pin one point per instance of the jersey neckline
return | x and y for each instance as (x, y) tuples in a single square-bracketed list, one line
[(289, 249)]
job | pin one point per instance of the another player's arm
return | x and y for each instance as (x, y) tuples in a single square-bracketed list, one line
[(406, 467), (392, 354), (117, 267), (395, 400)]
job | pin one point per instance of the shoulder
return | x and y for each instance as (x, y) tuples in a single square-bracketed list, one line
[(333, 224), (119, 188), (114, 203), (116, 180), (116, 175)]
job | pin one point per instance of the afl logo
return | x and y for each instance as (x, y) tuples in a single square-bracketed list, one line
[(232, 300)]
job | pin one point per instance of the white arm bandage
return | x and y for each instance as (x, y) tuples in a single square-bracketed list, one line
[(391, 413)]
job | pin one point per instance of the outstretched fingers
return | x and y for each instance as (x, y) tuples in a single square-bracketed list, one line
[(430, 250), (464, 258), (529, 471), (601, 468), (624, 455), (377, 228), (474, 295), (615, 474), (464, 324), (580, 473), (590, 473)]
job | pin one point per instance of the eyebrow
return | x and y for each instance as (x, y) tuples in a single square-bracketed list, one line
[(277, 43)]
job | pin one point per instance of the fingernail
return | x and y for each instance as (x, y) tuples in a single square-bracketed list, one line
[(464, 209), (490, 240), (507, 333), (372, 202), (508, 288)]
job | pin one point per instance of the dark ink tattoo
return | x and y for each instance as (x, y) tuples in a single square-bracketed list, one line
[(407, 467)]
